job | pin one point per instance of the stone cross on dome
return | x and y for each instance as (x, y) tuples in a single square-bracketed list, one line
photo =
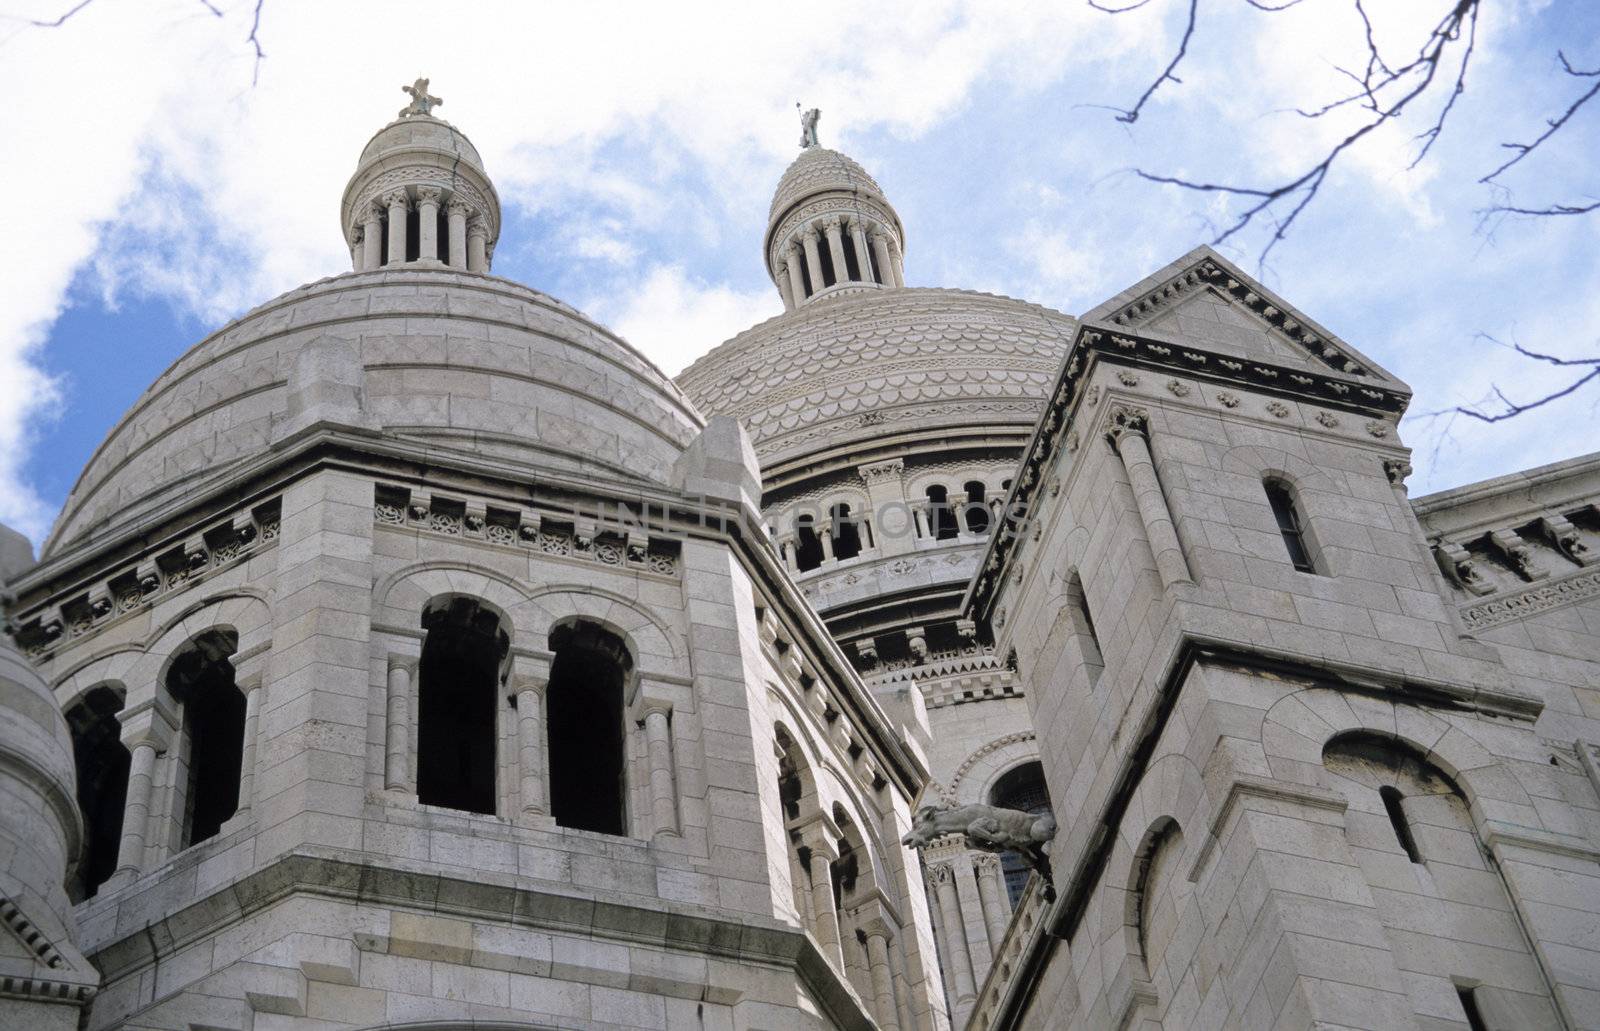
[(422, 102), (808, 127)]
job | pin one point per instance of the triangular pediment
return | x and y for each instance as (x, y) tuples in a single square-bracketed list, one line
[(1205, 300)]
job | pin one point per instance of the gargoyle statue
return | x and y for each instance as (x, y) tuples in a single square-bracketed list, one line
[(988, 828)]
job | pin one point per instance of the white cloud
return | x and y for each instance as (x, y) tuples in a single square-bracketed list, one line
[(142, 147), (675, 318)]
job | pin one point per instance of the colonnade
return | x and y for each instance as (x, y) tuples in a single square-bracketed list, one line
[(971, 914), (386, 220), (801, 272)]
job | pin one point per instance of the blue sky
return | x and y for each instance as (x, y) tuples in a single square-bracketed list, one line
[(635, 153)]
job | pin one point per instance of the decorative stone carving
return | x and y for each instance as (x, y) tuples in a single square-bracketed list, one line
[(422, 102), (1378, 428), (1518, 554), (1565, 537), (1277, 409), (1178, 387), (808, 125), (880, 472), (1126, 419), (1396, 469), (987, 828), (1328, 419), (1127, 378), (1227, 400), (1459, 565)]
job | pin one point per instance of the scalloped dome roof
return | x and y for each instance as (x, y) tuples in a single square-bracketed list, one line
[(817, 170), (855, 369), (453, 362)]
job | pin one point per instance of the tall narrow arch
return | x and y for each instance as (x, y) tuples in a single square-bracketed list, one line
[(846, 531), (1291, 525), (102, 762), (942, 524), (200, 677), (1155, 901), (1023, 788), (976, 508), (808, 544), (584, 701), (463, 665), (1083, 629)]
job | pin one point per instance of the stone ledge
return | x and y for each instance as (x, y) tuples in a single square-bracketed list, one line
[(672, 927)]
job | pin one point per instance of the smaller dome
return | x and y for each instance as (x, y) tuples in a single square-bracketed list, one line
[(820, 170), (421, 132)]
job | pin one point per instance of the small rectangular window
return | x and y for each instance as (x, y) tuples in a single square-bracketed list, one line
[(1289, 526)]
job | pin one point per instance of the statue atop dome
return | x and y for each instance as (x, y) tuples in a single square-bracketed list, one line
[(808, 127), (422, 102)]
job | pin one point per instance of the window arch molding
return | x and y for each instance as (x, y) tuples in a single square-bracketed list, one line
[(407, 592), (975, 779), (655, 648)]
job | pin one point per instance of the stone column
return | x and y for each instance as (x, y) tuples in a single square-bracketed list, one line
[(146, 731), (397, 725), (250, 684), (825, 538), (921, 515), (477, 243), (973, 916), (894, 263), (797, 283), (1129, 435), (428, 223), (813, 258), (372, 238), (357, 247), (996, 903), (841, 270), (456, 213), (880, 250), (658, 743), (781, 272), (955, 937), (858, 234), (825, 917), (786, 549), (398, 206), (530, 745), (876, 933)]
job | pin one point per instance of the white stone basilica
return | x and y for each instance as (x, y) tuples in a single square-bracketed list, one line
[(415, 654)]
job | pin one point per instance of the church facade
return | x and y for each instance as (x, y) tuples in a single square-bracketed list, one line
[(414, 653)]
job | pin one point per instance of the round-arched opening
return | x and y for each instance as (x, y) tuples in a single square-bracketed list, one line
[(200, 677), (584, 727), (102, 762), (463, 664), (1021, 788)]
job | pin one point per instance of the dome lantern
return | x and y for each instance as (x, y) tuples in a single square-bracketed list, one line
[(831, 230), (420, 196)]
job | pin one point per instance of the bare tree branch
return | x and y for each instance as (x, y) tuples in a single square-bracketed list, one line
[(1131, 115), (1552, 125), (1505, 408), (56, 23), (254, 40)]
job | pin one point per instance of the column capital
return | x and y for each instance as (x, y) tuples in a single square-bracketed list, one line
[(397, 199), (781, 267), (985, 862), (1126, 420), (893, 469), (429, 194), (150, 723), (376, 210), (942, 873), (358, 233), (831, 223), (477, 225), (819, 834), (874, 927), (455, 206), (811, 232)]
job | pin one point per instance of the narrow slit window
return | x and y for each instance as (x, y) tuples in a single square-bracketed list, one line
[(103, 763), (1281, 498), (1469, 1003), (846, 533), (808, 546), (977, 509), (1083, 626), (201, 679), (941, 515), (1397, 817)]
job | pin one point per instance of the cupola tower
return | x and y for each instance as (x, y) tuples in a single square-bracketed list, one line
[(831, 230), (420, 196)]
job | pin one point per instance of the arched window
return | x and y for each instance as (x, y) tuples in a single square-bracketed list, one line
[(1281, 497), (941, 516), (808, 546), (462, 667), (846, 532), (977, 510), (1077, 611), (584, 725), (1021, 788), (200, 678), (102, 761), (1158, 907)]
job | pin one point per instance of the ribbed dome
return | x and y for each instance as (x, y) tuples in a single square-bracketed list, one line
[(452, 361), (817, 170), (854, 370)]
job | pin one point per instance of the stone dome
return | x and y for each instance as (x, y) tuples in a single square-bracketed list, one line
[(829, 380), (820, 170), (448, 361), (420, 133)]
